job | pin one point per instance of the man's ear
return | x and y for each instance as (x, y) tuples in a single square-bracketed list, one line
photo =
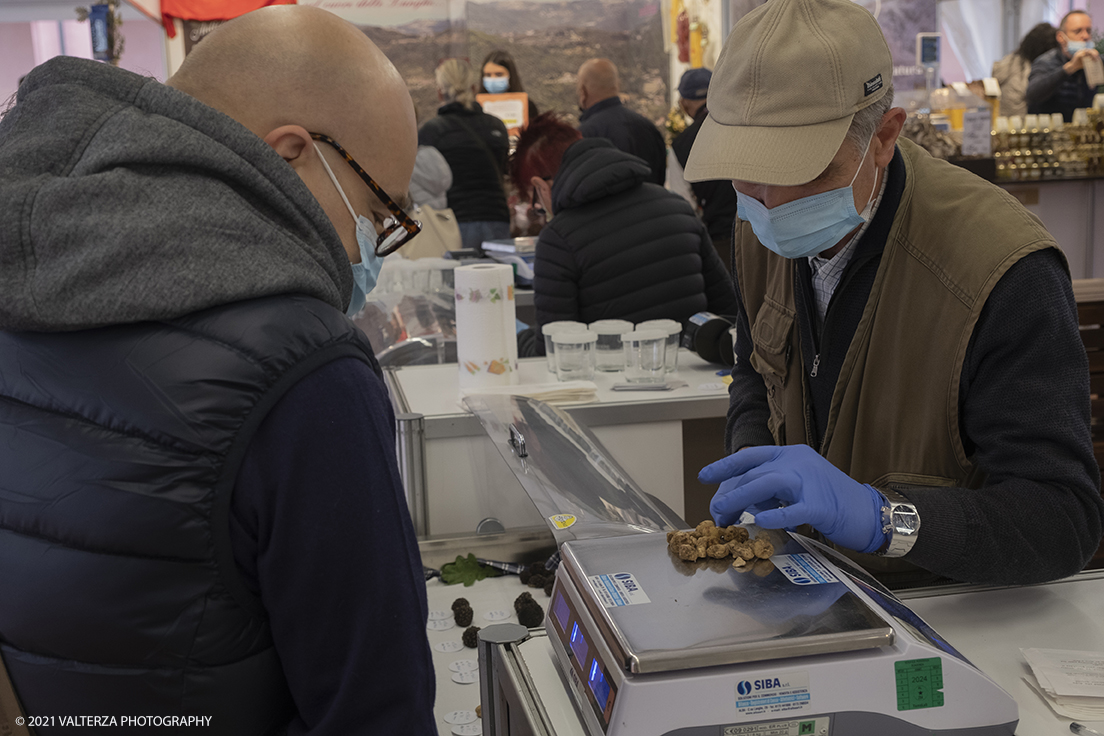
[(292, 142), (544, 192), (892, 123)]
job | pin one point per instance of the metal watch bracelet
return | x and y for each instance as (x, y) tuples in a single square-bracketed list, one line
[(900, 524)]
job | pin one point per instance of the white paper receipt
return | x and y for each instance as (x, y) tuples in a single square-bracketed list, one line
[(1068, 673), (804, 569), (618, 589)]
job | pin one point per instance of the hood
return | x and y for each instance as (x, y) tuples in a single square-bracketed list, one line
[(123, 200), (593, 169)]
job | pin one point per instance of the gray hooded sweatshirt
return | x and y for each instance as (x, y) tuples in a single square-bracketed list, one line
[(123, 200)]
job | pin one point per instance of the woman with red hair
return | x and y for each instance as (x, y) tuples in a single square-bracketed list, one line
[(616, 246)]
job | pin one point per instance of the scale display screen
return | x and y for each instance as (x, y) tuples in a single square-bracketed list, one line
[(561, 611), (578, 643), (599, 686), (593, 677)]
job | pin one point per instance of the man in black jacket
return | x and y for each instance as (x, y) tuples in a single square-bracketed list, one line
[(716, 198), (599, 89), (617, 246), (201, 513)]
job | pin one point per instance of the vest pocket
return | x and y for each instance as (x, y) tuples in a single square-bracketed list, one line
[(770, 357)]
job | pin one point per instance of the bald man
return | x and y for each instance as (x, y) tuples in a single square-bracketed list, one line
[(598, 87), (201, 515)]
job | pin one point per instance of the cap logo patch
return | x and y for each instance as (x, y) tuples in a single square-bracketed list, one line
[(873, 85)]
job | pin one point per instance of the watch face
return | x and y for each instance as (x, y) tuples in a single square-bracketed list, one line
[(905, 520)]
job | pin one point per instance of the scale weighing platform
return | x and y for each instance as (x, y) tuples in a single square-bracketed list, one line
[(648, 645)]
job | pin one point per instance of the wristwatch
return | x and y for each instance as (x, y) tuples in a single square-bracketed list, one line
[(900, 524)]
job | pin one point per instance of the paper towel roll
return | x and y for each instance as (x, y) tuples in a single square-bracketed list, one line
[(486, 332)]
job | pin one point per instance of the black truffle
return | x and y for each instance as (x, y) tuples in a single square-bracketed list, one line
[(471, 637), (530, 614), (548, 586), (537, 581), (463, 615), (521, 599), (460, 603), (524, 575)]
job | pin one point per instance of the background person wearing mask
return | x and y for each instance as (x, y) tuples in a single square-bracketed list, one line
[(616, 246), (1012, 71), (475, 145), (500, 75), (1057, 81), (717, 199), (599, 88), (210, 519), (908, 320)]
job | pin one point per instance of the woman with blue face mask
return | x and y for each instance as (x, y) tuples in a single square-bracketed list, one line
[(500, 75)]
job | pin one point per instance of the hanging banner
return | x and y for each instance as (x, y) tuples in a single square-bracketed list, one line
[(412, 17), (548, 40), (901, 20)]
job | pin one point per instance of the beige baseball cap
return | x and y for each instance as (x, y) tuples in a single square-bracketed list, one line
[(790, 78)]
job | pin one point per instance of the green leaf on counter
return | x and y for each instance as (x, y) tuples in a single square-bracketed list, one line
[(466, 570)]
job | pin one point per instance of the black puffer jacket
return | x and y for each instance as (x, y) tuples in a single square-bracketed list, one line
[(620, 248), (475, 145)]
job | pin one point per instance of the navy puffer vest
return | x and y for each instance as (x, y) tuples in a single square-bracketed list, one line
[(119, 594)]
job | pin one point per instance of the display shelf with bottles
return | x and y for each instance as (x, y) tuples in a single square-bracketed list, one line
[(1037, 147)]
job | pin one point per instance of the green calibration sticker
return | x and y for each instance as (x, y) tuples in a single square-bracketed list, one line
[(919, 682)]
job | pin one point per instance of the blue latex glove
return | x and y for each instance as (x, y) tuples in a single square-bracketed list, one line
[(806, 488)]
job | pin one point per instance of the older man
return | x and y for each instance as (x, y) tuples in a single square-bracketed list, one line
[(910, 380), (201, 511), (598, 87), (1057, 80)]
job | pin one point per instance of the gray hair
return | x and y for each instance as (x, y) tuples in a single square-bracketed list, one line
[(867, 120), (456, 81)]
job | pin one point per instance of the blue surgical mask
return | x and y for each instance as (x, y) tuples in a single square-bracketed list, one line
[(496, 85), (366, 273), (1072, 47), (806, 226)]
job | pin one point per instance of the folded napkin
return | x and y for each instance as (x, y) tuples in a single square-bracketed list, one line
[(565, 392)]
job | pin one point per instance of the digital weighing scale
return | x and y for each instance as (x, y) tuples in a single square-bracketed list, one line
[(649, 645), (809, 644)]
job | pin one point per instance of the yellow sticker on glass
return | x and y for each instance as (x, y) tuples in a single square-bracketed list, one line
[(562, 521)]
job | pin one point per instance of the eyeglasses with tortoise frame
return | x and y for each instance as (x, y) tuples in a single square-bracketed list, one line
[(398, 229)]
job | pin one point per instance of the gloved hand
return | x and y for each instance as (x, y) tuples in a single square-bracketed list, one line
[(807, 488)]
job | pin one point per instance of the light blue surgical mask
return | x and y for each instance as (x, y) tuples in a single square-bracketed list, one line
[(809, 225), (496, 85), (1072, 47), (366, 273)]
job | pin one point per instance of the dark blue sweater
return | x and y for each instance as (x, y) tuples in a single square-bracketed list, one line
[(313, 530)]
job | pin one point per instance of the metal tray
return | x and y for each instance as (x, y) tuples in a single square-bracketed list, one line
[(707, 613)]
